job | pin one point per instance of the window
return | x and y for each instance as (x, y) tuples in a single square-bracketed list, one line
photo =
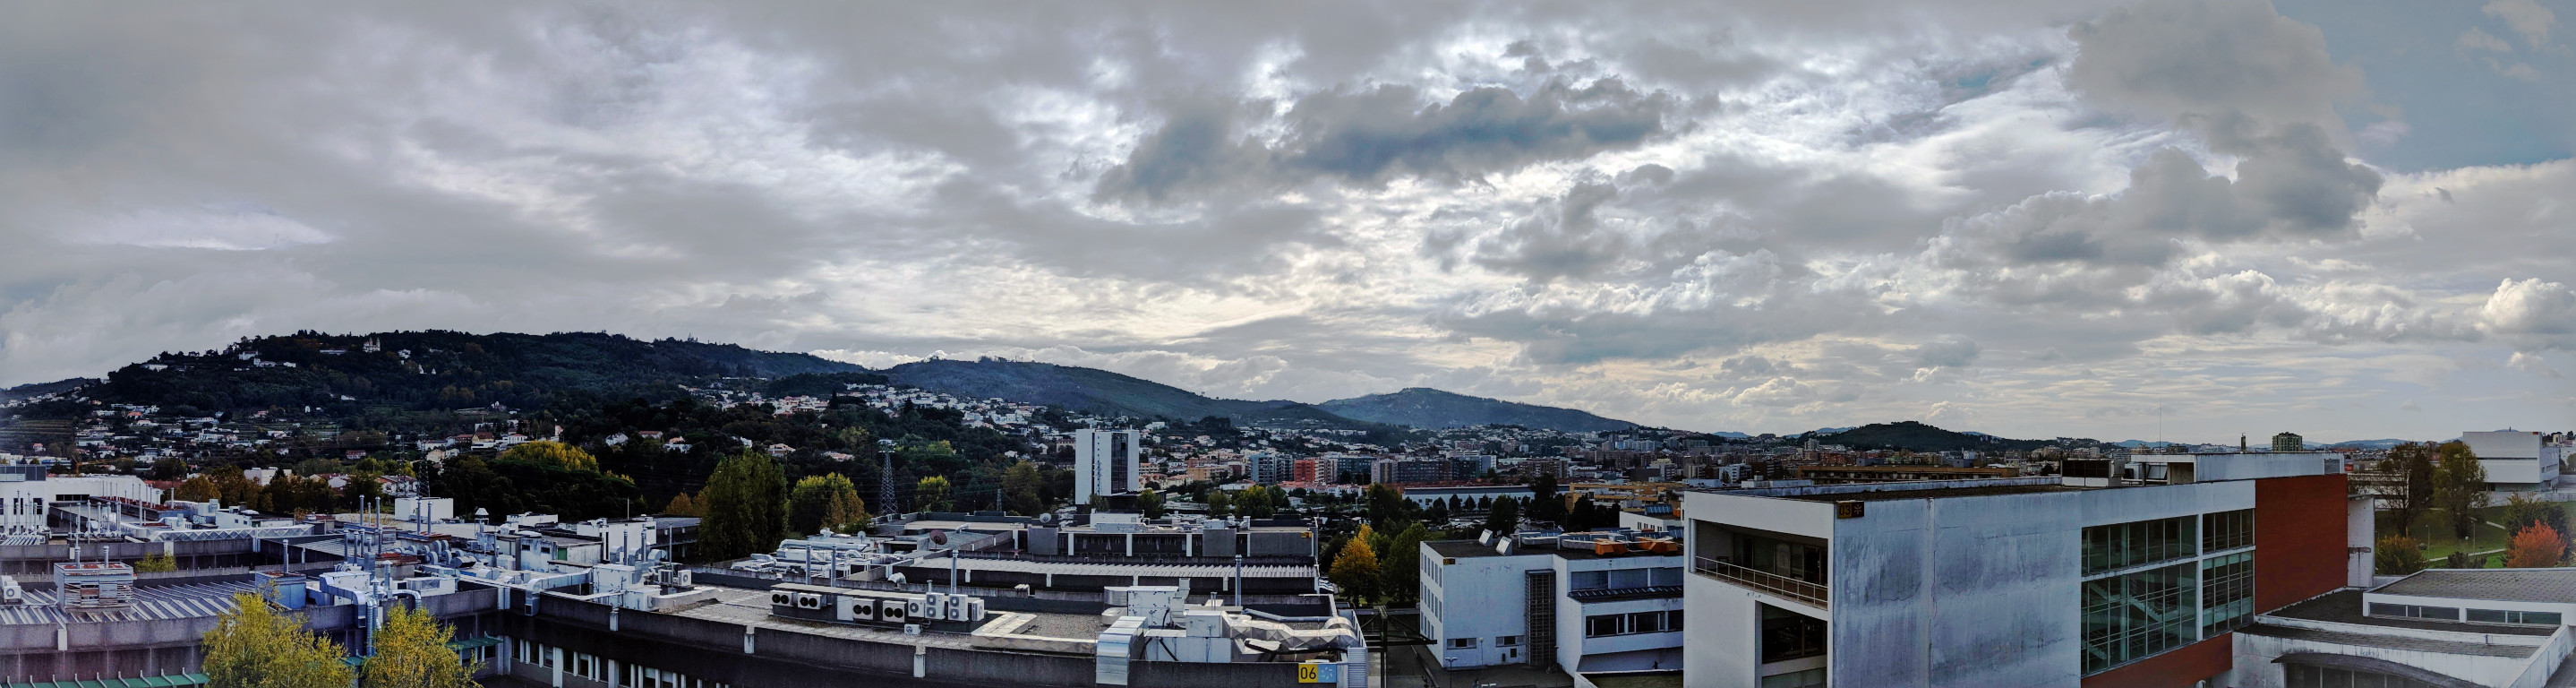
[(1462, 643), (2507, 616), (1605, 625), (2310, 676), (1507, 641), (1430, 605), (2227, 530), (1591, 580), (1811, 678), (2124, 545), (1667, 575), (1788, 635), (2226, 593), (2412, 611), (1673, 620), (1646, 622), (2131, 616)]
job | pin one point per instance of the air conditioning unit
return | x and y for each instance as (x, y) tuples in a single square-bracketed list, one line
[(957, 608), (894, 611), (916, 609), (854, 608), (934, 607), (782, 599), (974, 609), (809, 601)]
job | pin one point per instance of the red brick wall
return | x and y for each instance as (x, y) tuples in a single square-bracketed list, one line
[(2298, 539), (2178, 668)]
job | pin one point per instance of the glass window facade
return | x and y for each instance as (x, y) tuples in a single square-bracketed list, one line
[(1788, 635), (2307, 676), (2227, 530), (2137, 614), (2226, 593), (2124, 545), (2507, 616), (2412, 611)]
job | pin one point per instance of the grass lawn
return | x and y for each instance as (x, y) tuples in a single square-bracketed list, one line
[(2434, 531)]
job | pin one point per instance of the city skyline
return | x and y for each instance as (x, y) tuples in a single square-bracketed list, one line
[(2025, 219)]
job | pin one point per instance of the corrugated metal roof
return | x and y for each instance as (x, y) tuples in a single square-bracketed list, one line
[(2521, 585), (151, 603)]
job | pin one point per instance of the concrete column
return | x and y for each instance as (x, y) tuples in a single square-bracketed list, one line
[(746, 640), (614, 679), (558, 666), (920, 660), (1131, 544)]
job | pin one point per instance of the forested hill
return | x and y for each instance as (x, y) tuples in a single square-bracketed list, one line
[(1915, 436), (1423, 407), (1100, 392), (438, 370)]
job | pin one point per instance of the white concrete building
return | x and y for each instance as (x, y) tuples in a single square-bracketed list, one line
[(1553, 602), (1107, 462), (2516, 460), (2444, 628), (26, 492), (2009, 582)]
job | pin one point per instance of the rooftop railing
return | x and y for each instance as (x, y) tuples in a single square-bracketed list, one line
[(1776, 584)]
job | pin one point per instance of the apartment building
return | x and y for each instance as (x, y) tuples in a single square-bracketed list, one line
[(1107, 462), (1591, 604), (2056, 581)]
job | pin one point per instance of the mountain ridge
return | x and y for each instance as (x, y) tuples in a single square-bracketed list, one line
[(1433, 409)]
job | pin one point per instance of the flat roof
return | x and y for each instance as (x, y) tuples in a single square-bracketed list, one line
[(1464, 549), (2518, 585), (1932, 493), (2345, 606), (2392, 642)]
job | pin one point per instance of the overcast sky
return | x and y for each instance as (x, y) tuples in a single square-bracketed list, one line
[(2345, 219)]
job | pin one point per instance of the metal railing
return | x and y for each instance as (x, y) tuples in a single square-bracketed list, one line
[(1784, 586)]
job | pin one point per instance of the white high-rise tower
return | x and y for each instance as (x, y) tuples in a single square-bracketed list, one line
[(1106, 462)]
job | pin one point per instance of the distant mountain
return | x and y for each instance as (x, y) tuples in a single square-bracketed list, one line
[(1423, 407), (37, 389), (1731, 435), (1916, 436), (439, 370), (1100, 392), (1828, 431), (2363, 444)]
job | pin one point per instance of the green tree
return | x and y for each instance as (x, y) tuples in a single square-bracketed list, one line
[(157, 563), (1355, 570), (169, 468), (1150, 502), (1505, 518), (1026, 489), (932, 494), (1400, 564), (1544, 504), (196, 488), (253, 646), (1256, 502), (2459, 487), (411, 652), (550, 453), (823, 502), (682, 505), (1385, 505), (2397, 555), (746, 507), (2404, 480), (1219, 504)]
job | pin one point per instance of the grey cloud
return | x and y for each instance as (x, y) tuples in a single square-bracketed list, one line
[(1563, 239), (1367, 136), (1954, 353), (2233, 68), (2291, 187)]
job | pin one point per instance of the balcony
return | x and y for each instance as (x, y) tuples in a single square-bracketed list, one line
[(1776, 584)]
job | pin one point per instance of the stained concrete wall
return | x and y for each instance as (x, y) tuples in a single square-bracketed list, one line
[(1981, 591)]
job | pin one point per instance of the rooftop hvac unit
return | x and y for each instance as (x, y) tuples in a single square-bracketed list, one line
[(782, 599), (809, 601), (974, 609), (934, 607), (855, 608), (956, 608), (895, 611)]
